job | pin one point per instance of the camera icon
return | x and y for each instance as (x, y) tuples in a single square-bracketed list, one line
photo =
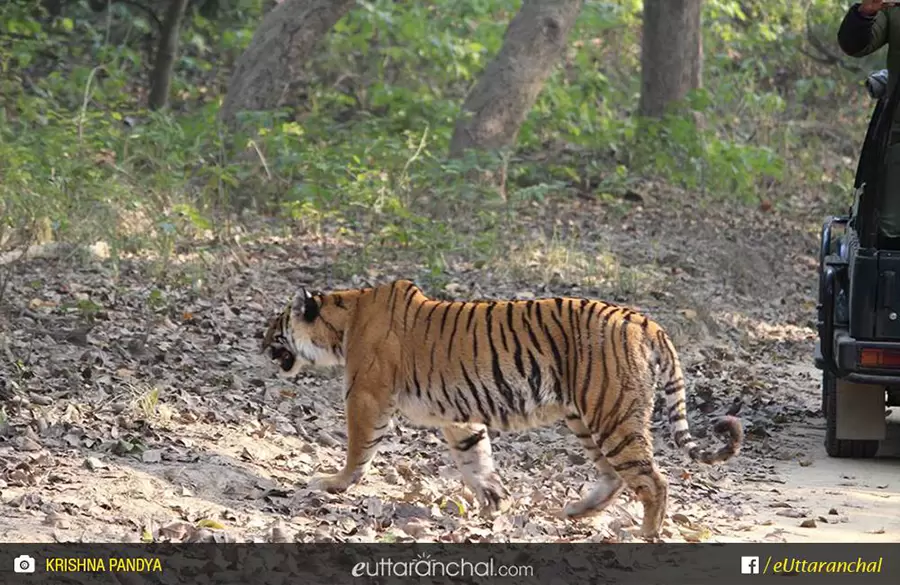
[(23, 564)]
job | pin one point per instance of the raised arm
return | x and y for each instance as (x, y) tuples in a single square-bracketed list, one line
[(864, 29)]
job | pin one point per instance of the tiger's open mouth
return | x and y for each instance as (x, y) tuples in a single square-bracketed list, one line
[(284, 358)]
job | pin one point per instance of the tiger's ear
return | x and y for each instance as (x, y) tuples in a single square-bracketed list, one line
[(305, 305)]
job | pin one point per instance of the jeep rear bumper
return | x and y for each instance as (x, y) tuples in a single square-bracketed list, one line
[(847, 353)]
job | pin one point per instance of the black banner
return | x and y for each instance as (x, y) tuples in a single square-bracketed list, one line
[(526, 564)]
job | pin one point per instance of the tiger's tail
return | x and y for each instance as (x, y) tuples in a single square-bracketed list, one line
[(671, 380)]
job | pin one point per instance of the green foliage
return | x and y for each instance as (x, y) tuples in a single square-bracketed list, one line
[(362, 152)]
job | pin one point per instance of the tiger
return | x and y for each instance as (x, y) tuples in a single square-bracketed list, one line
[(507, 365)]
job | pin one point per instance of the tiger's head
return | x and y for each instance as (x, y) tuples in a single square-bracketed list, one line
[(308, 332)]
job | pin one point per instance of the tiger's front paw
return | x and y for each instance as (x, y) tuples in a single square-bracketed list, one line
[(333, 484)]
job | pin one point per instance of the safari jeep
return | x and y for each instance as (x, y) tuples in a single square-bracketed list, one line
[(858, 346)]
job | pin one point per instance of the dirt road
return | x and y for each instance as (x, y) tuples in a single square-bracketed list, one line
[(848, 500)]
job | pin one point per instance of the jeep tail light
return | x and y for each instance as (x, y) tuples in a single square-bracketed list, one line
[(879, 358)]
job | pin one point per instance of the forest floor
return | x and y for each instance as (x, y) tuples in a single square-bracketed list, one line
[(163, 420)]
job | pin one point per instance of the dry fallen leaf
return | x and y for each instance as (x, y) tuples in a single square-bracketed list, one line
[(689, 313), (176, 532), (279, 535), (206, 523), (152, 456), (681, 519), (94, 464), (699, 534)]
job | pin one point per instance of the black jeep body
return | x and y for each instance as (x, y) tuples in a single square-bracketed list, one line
[(858, 349)]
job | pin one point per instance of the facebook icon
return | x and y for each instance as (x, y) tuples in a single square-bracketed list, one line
[(750, 565)]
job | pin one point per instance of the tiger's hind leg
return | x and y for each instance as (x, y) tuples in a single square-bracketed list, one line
[(630, 453), (610, 485), (470, 447)]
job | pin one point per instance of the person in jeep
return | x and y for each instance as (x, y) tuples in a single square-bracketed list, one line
[(868, 26)]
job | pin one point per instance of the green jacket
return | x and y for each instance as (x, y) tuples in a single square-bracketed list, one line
[(861, 35)]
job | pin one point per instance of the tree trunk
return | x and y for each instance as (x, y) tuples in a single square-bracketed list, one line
[(507, 89), (671, 53), (161, 78), (282, 43), (695, 53)]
